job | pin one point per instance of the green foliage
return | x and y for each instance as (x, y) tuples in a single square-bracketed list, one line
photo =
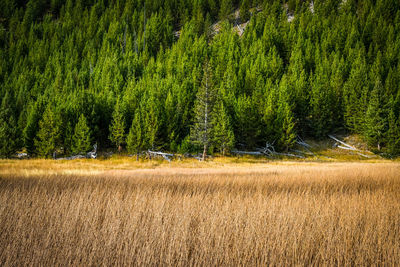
[(393, 134), (8, 128), (48, 137), (81, 137), (288, 133), (226, 9), (114, 61), (247, 125), (117, 127), (223, 137), (244, 10), (32, 126), (375, 119), (135, 140), (201, 131)]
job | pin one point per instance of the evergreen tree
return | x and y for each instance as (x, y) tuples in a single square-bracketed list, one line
[(223, 137), (355, 91), (135, 139), (244, 10), (393, 134), (330, 60), (201, 131), (322, 105), (151, 122), (375, 122), (81, 138), (32, 126), (288, 133), (247, 131), (117, 127), (8, 128), (225, 9), (48, 136)]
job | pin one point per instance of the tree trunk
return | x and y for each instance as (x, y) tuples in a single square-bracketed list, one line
[(119, 148), (137, 156), (204, 152)]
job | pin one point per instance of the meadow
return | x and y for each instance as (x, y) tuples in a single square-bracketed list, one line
[(187, 213)]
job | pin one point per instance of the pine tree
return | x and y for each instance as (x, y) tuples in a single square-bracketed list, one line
[(393, 134), (48, 136), (8, 128), (322, 105), (32, 126), (247, 122), (225, 9), (354, 93), (288, 133), (201, 131), (244, 10), (135, 140), (375, 121), (151, 122), (223, 137), (81, 138), (117, 127)]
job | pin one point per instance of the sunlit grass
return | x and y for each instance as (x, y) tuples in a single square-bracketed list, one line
[(123, 212)]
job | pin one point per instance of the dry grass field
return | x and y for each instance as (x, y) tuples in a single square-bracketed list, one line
[(127, 213)]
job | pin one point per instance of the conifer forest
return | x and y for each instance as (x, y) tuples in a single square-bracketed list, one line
[(196, 76)]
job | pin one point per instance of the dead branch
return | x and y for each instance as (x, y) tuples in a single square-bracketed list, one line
[(253, 153), (348, 147), (166, 156)]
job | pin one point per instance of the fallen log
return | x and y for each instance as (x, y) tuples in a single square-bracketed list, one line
[(289, 155), (166, 156), (72, 157), (304, 152), (253, 153), (301, 142), (363, 155), (349, 147)]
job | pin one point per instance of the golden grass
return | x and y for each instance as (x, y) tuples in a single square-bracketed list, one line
[(219, 213)]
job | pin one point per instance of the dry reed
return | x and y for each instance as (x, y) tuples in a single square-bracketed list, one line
[(269, 214)]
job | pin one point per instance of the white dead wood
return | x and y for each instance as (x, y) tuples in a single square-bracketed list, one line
[(304, 152), (348, 147), (253, 153), (268, 151), (345, 147), (363, 155), (22, 155), (166, 156), (301, 142), (289, 155), (312, 7), (72, 157), (89, 155)]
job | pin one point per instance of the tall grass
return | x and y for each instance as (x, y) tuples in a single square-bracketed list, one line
[(275, 214)]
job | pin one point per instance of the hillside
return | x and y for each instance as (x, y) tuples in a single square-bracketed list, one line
[(138, 75)]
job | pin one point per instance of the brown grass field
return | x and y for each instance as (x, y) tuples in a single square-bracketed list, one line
[(120, 212)]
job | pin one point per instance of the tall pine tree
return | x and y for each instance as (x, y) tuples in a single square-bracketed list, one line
[(81, 137), (48, 136), (223, 137), (135, 141), (375, 121), (117, 127), (201, 131), (8, 127)]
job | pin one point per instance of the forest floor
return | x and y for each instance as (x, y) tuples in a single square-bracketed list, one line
[(220, 212)]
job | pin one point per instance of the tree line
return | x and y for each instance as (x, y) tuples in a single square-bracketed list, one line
[(143, 74)]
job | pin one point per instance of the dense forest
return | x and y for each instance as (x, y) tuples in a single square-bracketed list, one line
[(175, 75)]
